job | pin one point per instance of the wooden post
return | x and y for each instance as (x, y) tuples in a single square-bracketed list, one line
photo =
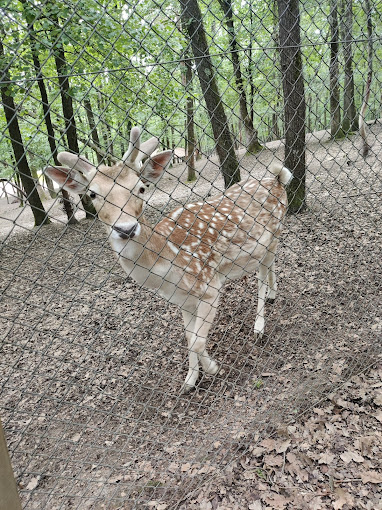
[(9, 497)]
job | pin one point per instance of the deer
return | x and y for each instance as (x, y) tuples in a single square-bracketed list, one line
[(189, 254)]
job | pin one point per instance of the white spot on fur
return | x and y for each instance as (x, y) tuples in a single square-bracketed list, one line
[(175, 214), (173, 247)]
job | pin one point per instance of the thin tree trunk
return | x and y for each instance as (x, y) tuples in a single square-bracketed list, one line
[(190, 141), (110, 148), (250, 68), (92, 126), (294, 99), (192, 21), (68, 112), (39, 214), (252, 141), (349, 121), (20, 193), (309, 109), (335, 108), (101, 108), (68, 208), (362, 124)]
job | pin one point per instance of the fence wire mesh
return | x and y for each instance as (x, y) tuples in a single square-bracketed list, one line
[(94, 351)]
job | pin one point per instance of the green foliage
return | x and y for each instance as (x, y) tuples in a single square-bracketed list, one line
[(126, 59)]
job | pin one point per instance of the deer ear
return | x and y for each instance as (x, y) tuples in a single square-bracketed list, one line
[(80, 163), (155, 166), (67, 178)]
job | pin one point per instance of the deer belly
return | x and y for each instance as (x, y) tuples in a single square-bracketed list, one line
[(238, 263)]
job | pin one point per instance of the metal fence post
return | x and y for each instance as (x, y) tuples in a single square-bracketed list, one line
[(9, 497)]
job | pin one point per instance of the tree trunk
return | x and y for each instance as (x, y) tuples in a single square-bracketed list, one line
[(48, 122), (190, 141), (335, 109), (362, 124), (250, 69), (294, 99), (105, 142), (349, 121), (110, 146), (39, 214), (92, 126), (192, 21), (67, 110), (252, 141)]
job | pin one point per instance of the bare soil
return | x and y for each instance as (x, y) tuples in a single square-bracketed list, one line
[(91, 364)]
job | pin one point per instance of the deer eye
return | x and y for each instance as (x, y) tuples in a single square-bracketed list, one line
[(142, 190), (92, 194)]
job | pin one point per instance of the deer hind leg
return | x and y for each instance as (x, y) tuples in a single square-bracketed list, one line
[(197, 329), (272, 283), (266, 282)]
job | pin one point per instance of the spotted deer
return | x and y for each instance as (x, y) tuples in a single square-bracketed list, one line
[(189, 254)]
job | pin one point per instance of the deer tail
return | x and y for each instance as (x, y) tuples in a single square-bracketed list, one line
[(282, 172)]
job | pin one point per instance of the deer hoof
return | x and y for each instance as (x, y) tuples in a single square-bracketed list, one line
[(212, 369), (258, 333), (186, 388)]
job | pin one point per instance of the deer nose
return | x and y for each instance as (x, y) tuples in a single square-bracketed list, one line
[(126, 231)]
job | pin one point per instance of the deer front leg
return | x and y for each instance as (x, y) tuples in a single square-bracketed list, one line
[(197, 329), (262, 278), (193, 362)]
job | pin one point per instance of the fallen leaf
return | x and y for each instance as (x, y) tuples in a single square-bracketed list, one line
[(371, 476), (205, 505), (273, 460), (343, 498), (173, 467), (33, 483), (349, 455), (255, 506), (283, 446), (258, 451), (277, 501), (269, 444), (115, 479), (249, 474), (294, 468), (156, 505), (325, 458)]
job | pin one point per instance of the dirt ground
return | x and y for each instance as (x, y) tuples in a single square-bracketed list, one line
[(91, 365)]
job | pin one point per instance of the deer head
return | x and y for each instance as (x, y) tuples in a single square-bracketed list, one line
[(118, 192)]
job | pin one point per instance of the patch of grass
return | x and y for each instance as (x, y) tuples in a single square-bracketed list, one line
[(258, 383)]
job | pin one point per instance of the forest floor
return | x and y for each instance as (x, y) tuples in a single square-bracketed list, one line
[(91, 365)]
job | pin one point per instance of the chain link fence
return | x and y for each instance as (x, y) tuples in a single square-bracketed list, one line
[(92, 362)]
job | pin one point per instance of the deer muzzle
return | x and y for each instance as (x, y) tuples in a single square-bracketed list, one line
[(127, 231)]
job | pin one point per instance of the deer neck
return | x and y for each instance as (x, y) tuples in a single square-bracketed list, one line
[(146, 257)]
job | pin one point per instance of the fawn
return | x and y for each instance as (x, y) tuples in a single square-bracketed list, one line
[(187, 255)]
